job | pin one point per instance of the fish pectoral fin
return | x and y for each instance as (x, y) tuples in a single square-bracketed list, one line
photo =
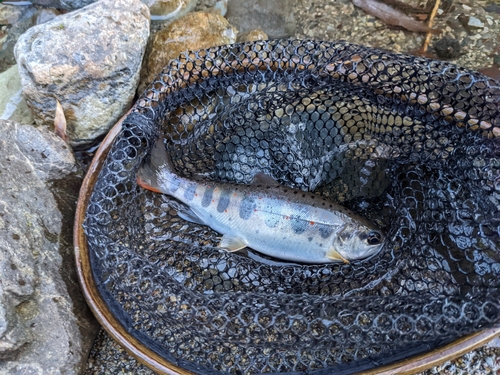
[(232, 243), (261, 178), (189, 215), (335, 255)]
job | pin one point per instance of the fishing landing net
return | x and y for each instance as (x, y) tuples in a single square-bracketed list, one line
[(406, 142)]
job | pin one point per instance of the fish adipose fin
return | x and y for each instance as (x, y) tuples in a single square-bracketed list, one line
[(335, 255), (147, 177), (232, 243), (189, 215), (263, 179)]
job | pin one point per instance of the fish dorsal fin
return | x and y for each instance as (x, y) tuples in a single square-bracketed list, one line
[(261, 178)]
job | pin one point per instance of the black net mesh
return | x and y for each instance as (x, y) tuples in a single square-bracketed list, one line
[(406, 142)]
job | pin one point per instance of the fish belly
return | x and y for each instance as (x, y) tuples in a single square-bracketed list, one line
[(288, 246)]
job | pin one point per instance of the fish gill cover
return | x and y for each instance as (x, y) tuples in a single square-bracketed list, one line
[(409, 143)]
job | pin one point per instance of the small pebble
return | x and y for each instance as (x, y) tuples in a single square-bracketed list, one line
[(475, 22)]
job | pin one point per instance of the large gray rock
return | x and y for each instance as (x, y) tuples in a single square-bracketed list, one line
[(45, 325), (275, 18), (63, 4), (90, 61)]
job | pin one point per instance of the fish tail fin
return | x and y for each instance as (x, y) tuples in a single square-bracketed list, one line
[(159, 161)]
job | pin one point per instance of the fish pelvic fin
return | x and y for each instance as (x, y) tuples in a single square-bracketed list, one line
[(335, 255), (189, 215), (147, 176), (232, 243)]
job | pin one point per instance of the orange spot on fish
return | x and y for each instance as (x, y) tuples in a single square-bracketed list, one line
[(195, 194), (287, 217), (254, 210), (311, 222), (225, 210), (213, 200), (234, 195)]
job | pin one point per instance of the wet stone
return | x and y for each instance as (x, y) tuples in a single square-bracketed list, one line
[(89, 63)]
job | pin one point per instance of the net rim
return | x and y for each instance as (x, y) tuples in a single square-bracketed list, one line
[(149, 358)]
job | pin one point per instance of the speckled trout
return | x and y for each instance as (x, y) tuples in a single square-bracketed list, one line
[(268, 217)]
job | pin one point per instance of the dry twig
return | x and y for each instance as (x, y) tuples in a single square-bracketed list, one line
[(392, 16), (430, 23)]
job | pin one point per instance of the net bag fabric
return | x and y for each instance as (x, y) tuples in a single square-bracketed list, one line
[(407, 142)]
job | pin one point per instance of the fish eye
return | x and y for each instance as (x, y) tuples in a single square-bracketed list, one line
[(374, 237)]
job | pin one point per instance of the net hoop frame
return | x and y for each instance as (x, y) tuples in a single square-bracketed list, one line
[(160, 365)]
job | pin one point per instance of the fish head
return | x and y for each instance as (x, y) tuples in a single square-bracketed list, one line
[(358, 240)]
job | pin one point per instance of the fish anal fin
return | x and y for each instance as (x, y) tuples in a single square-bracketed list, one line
[(335, 255), (261, 178), (147, 181), (189, 215), (232, 243)]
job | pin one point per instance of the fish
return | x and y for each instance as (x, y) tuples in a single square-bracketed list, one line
[(270, 218)]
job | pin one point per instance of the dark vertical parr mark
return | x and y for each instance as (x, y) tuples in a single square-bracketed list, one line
[(190, 190), (223, 200), (298, 225), (325, 231), (246, 208), (272, 214), (207, 196)]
